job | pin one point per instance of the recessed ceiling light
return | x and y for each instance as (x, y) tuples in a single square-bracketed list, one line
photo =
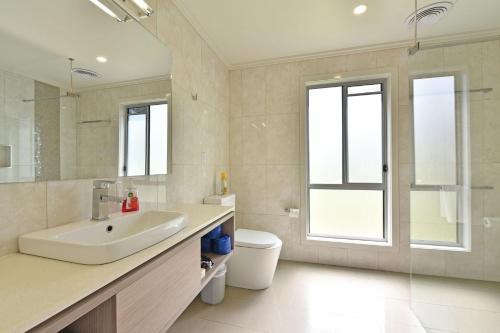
[(358, 10), (101, 59)]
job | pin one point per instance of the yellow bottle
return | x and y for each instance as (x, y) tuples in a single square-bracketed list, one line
[(223, 179)]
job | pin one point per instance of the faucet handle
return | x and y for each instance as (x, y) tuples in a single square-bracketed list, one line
[(103, 184)]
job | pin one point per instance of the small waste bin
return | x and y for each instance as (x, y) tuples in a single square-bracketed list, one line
[(213, 293)]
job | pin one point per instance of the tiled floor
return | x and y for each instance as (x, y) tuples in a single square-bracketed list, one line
[(310, 298), (456, 305)]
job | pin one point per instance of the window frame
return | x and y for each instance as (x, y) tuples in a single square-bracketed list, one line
[(148, 138), (346, 185), (460, 239)]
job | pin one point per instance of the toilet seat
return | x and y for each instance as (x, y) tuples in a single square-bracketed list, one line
[(255, 239)]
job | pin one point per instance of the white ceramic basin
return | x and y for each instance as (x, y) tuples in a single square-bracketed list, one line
[(90, 242)]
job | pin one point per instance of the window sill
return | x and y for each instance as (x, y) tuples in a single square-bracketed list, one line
[(348, 241), (439, 248)]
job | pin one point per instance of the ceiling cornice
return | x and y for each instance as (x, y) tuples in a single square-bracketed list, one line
[(433, 42), (425, 43)]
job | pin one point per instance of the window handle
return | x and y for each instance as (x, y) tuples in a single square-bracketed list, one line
[(385, 168)]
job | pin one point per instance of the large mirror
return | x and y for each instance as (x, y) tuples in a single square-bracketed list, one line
[(82, 95)]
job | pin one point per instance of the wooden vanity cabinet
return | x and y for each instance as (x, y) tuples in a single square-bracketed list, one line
[(147, 299), (153, 303)]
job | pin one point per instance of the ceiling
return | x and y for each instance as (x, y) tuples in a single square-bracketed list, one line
[(243, 31), (37, 37)]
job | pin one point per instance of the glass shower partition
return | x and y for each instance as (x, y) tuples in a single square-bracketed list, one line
[(455, 187)]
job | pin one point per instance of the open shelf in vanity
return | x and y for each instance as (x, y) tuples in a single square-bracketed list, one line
[(218, 259)]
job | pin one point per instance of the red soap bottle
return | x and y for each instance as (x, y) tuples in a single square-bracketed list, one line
[(130, 201)]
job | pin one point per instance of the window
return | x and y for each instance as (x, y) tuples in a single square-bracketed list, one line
[(347, 161), (146, 140), (435, 190)]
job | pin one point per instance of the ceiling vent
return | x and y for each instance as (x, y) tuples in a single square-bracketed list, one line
[(430, 14), (86, 73)]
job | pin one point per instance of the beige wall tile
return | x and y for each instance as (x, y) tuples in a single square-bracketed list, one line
[(361, 61), (428, 263), (23, 208), (404, 135), (68, 201), (249, 185), (254, 91), (283, 186), (333, 256), (283, 139), (492, 252), (329, 65), (431, 60), (236, 95), (236, 140), (491, 69), (393, 57), (491, 133), (468, 59), (255, 131), (362, 258), (278, 225), (282, 89), (305, 253)]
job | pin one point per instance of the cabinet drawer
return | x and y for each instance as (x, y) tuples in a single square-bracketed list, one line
[(153, 302)]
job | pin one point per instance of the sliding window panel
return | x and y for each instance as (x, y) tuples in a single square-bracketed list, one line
[(365, 139), (356, 214), (325, 135), (158, 139), (434, 121), (136, 145)]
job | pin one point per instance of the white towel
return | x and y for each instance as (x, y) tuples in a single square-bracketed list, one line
[(448, 206)]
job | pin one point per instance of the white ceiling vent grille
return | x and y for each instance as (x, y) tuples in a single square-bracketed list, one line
[(430, 14), (86, 73)]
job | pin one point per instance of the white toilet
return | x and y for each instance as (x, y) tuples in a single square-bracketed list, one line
[(255, 255)]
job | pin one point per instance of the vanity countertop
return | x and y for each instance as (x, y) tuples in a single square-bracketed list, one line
[(33, 289)]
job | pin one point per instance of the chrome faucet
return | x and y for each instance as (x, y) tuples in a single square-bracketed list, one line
[(101, 198)]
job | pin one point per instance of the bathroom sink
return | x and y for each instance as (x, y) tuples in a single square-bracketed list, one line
[(91, 242)]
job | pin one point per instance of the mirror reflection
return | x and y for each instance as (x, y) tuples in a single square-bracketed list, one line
[(82, 95)]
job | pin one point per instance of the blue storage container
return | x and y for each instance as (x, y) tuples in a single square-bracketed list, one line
[(215, 233), (206, 244), (222, 245)]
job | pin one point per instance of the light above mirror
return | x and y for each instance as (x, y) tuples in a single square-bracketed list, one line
[(144, 7), (111, 9)]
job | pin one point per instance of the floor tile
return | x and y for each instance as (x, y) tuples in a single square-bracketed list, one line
[(311, 298)]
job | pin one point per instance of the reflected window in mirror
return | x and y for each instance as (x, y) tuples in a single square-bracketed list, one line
[(146, 141)]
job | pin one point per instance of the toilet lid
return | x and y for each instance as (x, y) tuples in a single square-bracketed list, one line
[(255, 239)]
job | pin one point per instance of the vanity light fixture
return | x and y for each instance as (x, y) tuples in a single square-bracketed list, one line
[(143, 5), (361, 9), (111, 9), (101, 59)]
